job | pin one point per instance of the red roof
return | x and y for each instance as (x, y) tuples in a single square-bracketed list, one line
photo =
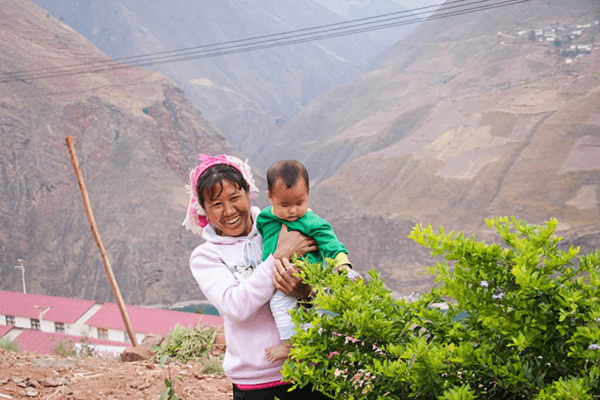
[(45, 342), (148, 320), (4, 329), (60, 309)]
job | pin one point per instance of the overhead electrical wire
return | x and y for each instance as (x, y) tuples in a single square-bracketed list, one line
[(262, 42)]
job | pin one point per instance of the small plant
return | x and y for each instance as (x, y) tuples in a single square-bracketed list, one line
[(187, 344), (214, 367), (10, 345), (64, 348), (169, 391), (67, 348)]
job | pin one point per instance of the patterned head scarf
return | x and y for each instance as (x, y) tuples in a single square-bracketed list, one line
[(196, 219)]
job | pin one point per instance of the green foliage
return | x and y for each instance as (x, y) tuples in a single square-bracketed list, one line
[(67, 348), (168, 392), (10, 345), (187, 344), (214, 367), (531, 331)]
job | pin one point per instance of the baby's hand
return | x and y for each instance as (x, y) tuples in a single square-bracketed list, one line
[(352, 274)]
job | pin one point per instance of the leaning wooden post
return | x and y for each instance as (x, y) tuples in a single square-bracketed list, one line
[(92, 221)]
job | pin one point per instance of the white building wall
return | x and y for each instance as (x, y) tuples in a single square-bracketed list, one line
[(22, 322), (47, 326)]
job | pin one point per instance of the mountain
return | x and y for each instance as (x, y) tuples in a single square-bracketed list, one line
[(484, 114), (246, 95), (136, 135), (366, 10)]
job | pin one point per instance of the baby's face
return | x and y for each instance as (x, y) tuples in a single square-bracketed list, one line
[(289, 204)]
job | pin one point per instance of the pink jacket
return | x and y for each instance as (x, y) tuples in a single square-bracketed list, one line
[(249, 324)]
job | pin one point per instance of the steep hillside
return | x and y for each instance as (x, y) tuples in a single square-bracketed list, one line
[(136, 136), (246, 95), (491, 113)]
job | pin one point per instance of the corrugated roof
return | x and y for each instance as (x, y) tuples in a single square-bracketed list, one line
[(45, 342), (148, 320), (60, 309)]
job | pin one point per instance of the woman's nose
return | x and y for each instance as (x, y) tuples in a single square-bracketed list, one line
[(228, 208)]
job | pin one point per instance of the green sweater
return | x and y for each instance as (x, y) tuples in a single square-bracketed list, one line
[(311, 225)]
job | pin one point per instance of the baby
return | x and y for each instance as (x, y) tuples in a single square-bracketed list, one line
[(288, 188)]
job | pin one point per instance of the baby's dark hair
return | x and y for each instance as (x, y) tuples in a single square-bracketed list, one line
[(289, 171), (212, 179)]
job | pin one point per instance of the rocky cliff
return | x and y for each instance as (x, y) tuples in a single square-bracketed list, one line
[(136, 136)]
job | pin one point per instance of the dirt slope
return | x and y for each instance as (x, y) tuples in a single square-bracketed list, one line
[(32, 376)]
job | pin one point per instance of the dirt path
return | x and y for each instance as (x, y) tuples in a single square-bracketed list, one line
[(33, 376)]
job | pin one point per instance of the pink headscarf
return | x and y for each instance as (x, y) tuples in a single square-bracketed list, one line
[(196, 218)]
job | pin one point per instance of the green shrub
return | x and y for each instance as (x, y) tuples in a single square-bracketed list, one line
[(64, 348), (187, 344), (10, 345), (531, 330), (67, 348), (214, 367)]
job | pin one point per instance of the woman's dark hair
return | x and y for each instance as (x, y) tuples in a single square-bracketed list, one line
[(289, 171), (212, 181)]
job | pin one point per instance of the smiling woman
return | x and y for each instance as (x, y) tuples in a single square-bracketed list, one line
[(232, 275)]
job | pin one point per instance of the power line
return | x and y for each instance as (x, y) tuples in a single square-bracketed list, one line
[(273, 35), (238, 46), (296, 33), (265, 44)]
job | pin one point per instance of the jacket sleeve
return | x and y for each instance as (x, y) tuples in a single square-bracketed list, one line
[(239, 301), (269, 228), (327, 241)]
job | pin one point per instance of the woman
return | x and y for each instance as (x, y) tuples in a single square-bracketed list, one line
[(220, 210)]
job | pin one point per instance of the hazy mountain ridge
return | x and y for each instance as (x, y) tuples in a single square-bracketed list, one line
[(463, 120), (245, 95), (136, 136), (454, 124)]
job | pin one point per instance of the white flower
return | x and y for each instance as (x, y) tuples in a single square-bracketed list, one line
[(484, 283), (498, 294), (594, 346)]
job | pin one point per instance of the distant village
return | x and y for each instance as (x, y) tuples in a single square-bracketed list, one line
[(571, 42)]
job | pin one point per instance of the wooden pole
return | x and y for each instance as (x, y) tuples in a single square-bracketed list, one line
[(96, 234)]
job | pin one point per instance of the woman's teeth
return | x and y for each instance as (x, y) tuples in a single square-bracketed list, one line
[(232, 221)]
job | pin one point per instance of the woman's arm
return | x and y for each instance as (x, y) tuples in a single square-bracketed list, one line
[(240, 301), (285, 280), (290, 242)]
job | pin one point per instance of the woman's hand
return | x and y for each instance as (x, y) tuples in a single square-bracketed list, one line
[(290, 242), (285, 280)]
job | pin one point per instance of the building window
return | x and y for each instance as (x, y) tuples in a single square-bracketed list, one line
[(35, 324), (59, 327), (10, 320), (103, 333)]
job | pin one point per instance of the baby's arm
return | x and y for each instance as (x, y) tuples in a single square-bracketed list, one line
[(329, 245)]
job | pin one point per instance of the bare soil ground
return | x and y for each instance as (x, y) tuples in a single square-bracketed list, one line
[(33, 376)]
